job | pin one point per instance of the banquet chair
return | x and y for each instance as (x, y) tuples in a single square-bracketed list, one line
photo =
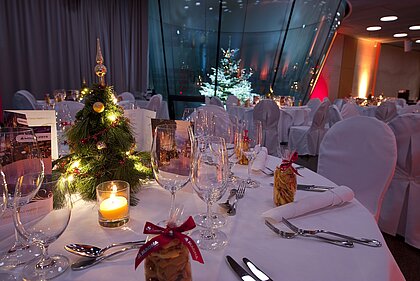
[(154, 102), (409, 109), (216, 101), (401, 102), (313, 104), (212, 120), (334, 115), (68, 108), (232, 100), (306, 139), (349, 110), (206, 100), (126, 96), (339, 103), (23, 99), (400, 212), (361, 153), (386, 111), (268, 112)]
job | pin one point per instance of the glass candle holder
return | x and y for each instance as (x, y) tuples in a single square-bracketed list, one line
[(113, 199)]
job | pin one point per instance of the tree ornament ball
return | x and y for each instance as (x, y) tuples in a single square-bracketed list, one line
[(98, 107)]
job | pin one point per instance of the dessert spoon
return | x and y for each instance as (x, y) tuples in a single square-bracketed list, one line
[(91, 251)]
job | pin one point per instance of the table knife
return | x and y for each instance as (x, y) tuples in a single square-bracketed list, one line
[(256, 271), (312, 187), (239, 270)]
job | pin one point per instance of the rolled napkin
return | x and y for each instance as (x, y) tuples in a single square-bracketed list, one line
[(329, 198), (260, 160)]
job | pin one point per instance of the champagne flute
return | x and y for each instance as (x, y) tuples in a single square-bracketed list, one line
[(171, 158), (209, 180), (54, 205), (250, 146), (20, 155)]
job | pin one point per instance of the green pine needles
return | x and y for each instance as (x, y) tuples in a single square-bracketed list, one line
[(102, 147)]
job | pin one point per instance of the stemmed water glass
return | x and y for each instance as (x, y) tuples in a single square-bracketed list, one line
[(19, 155), (54, 204), (250, 146), (171, 158), (209, 179)]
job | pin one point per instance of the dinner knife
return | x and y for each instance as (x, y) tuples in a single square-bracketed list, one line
[(239, 270), (312, 187), (256, 271)]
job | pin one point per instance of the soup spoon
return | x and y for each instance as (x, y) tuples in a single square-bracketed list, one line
[(91, 251)]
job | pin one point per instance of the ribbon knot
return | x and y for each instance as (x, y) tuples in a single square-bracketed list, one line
[(287, 163), (165, 236)]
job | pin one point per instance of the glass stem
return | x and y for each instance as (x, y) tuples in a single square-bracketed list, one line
[(46, 260), (171, 211), (209, 219), (249, 168)]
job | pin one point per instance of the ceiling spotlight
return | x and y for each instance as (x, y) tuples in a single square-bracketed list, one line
[(418, 41), (388, 18), (373, 28), (399, 35), (414, 27)]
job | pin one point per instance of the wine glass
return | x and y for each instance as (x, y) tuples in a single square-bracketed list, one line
[(171, 158), (64, 121), (19, 155), (250, 146), (186, 115), (209, 179), (53, 202)]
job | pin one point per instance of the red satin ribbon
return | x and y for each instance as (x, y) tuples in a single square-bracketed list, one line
[(165, 236), (287, 163)]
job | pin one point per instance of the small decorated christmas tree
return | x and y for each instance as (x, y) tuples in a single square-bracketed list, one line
[(102, 143), (231, 80)]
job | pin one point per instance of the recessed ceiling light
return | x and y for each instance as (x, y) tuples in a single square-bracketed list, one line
[(418, 41), (388, 18), (399, 35), (373, 28), (414, 27)]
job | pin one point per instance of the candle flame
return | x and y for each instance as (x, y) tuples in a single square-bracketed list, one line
[(113, 192)]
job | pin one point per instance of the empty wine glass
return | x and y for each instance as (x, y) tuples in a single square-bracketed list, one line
[(171, 157), (209, 180), (186, 115), (250, 146), (54, 204), (19, 155)]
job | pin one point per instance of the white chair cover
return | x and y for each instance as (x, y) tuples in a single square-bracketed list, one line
[(361, 153), (386, 111), (232, 100), (286, 121), (206, 100), (409, 109), (23, 99), (154, 103), (126, 96), (220, 120), (349, 110), (339, 103), (306, 139), (313, 104), (68, 107), (400, 211), (216, 101), (268, 112), (334, 115), (401, 102)]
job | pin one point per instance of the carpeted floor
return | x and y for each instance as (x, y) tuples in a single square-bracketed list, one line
[(406, 256)]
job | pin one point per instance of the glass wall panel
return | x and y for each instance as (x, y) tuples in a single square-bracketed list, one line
[(283, 42)]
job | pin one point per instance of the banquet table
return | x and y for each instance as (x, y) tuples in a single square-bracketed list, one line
[(282, 259)]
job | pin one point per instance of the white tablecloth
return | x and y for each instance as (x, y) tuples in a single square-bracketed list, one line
[(282, 259)]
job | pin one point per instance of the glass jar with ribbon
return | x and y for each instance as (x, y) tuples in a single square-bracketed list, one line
[(285, 182), (166, 256)]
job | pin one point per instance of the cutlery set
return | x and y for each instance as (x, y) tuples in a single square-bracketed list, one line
[(243, 274), (345, 241), (238, 193)]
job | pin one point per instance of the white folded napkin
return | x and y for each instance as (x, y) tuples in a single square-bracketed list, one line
[(259, 162), (318, 200)]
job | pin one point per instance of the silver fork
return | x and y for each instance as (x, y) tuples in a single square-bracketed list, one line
[(239, 195), (283, 234), (363, 241)]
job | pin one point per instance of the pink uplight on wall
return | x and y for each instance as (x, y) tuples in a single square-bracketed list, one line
[(321, 89)]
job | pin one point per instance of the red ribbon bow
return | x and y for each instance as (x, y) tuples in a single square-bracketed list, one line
[(287, 163), (165, 236)]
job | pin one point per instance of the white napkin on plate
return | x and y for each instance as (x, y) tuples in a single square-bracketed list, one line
[(318, 200), (259, 162)]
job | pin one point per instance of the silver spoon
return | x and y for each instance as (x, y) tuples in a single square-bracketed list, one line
[(91, 251), (84, 263), (227, 205)]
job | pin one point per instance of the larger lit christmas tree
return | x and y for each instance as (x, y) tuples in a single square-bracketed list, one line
[(102, 143), (231, 80)]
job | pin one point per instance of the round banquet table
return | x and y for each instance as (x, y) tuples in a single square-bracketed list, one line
[(282, 259)]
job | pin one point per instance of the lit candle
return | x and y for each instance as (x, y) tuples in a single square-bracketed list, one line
[(114, 207)]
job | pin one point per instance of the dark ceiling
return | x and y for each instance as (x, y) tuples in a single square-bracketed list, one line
[(366, 13)]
